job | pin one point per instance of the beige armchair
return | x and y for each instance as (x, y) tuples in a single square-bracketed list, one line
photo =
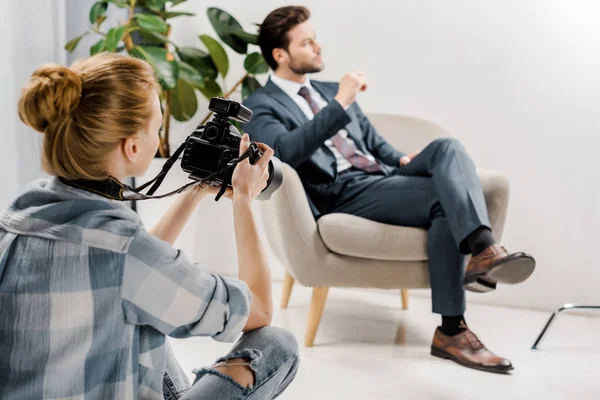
[(342, 250)]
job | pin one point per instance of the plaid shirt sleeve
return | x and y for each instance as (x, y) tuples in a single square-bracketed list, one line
[(163, 289)]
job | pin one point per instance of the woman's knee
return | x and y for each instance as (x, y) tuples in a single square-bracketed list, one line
[(283, 342)]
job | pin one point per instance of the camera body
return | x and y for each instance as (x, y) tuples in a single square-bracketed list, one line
[(213, 147)]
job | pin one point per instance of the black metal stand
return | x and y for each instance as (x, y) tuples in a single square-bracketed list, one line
[(567, 306)]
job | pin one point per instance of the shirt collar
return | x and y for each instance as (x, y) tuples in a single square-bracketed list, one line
[(291, 88)]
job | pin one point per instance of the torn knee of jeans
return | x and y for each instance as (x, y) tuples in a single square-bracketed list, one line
[(201, 372), (252, 355)]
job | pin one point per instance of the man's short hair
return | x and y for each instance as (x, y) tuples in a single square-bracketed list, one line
[(273, 32)]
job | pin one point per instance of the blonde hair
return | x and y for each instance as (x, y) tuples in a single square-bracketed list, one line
[(85, 111)]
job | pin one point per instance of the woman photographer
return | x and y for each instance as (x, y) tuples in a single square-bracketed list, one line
[(87, 295)]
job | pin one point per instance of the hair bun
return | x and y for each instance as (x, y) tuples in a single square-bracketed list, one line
[(52, 93)]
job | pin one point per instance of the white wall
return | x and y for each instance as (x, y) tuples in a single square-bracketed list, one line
[(517, 81), (33, 33)]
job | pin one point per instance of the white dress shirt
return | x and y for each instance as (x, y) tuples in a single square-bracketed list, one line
[(292, 88)]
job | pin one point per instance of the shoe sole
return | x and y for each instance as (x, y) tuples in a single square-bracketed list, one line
[(513, 271), (480, 285), (436, 352), (509, 272)]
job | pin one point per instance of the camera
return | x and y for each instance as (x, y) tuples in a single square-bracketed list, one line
[(211, 152)]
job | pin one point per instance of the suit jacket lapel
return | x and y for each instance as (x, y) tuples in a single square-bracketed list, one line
[(289, 104), (323, 90)]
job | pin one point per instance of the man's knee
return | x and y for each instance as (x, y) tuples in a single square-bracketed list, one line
[(446, 143)]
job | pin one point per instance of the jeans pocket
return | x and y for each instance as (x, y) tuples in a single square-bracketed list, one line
[(170, 390)]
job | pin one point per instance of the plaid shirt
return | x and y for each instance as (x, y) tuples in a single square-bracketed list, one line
[(87, 296)]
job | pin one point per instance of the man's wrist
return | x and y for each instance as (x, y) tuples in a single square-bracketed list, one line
[(342, 103)]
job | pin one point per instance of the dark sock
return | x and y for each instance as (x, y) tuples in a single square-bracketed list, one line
[(451, 325), (480, 240)]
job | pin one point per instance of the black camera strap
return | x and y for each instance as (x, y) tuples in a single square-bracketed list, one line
[(113, 189), (163, 173)]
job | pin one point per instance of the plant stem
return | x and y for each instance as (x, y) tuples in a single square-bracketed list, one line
[(98, 31), (226, 95), (127, 38), (235, 86)]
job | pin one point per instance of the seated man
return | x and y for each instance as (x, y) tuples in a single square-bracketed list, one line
[(346, 167)]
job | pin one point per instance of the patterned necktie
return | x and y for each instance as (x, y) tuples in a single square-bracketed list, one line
[(347, 148)]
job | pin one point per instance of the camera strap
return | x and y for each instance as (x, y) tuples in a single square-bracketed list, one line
[(113, 189)]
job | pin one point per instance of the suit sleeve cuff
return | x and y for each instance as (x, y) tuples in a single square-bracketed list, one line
[(339, 113)]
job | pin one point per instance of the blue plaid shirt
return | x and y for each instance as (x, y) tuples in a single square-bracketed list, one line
[(87, 296)]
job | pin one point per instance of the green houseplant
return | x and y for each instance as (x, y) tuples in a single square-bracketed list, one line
[(181, 71)]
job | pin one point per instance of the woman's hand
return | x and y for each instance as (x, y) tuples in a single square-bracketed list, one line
[(245, 173), (249, 180)]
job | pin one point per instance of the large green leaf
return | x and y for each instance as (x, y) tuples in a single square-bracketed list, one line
[(155, 5), (97, 48), (249, 86), (152, 23), (98, 10), (246, 36), (200, 60), (153, 38), (183, 101), (224, 24), (217, 53), (190, 75), (113, 37), (166, 71), (208, 87), (72, 44), (211, 89), (256, 64), (175, 2), (173, 14)]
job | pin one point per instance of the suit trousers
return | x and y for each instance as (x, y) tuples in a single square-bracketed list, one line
[(438, 190)]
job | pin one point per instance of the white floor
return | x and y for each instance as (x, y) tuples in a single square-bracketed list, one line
[(368, 348)]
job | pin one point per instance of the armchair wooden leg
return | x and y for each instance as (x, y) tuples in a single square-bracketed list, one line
[(288, 283), (405, 298), (319, 296)]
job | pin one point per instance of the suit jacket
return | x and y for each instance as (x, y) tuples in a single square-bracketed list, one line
[(279, 122)]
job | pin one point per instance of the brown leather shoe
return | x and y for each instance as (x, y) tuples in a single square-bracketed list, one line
[(466, 349), (496, 264)]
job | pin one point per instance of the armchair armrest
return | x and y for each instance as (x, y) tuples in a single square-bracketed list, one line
[(496, 191)]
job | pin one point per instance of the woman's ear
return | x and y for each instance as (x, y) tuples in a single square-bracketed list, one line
[(130, 148)]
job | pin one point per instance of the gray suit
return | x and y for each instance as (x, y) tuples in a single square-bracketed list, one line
[(438, 190)]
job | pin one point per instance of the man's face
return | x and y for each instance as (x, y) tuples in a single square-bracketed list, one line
[(304, 53)]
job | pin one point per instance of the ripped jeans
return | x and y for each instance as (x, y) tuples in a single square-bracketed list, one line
[(272, 354)]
